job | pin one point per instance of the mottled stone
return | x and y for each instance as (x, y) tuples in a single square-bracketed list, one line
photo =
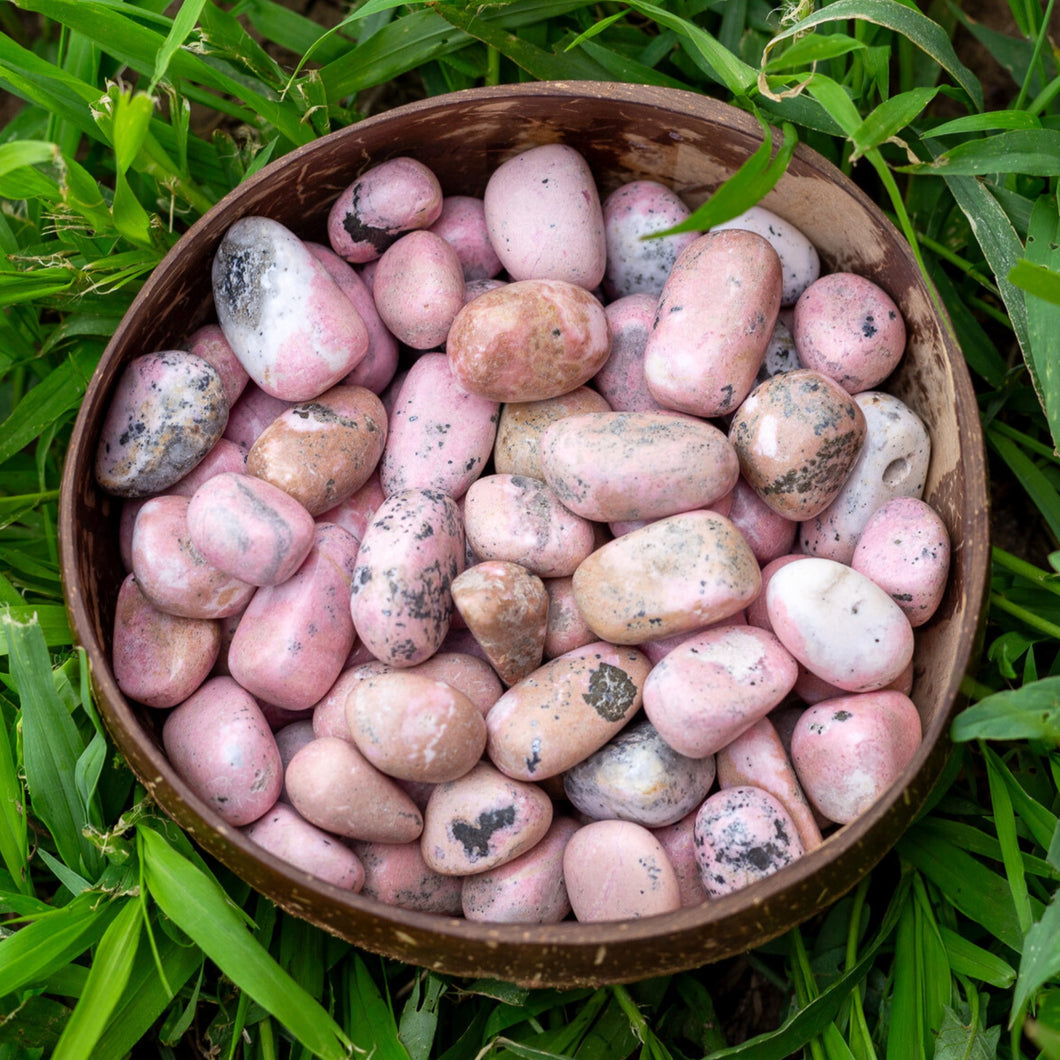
[(168, 410)]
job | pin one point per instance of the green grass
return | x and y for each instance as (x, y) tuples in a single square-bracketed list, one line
[(114, 931)]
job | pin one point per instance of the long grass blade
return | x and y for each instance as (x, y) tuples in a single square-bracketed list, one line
[(32, 953), (51, 748), (104, 987), (927, 35), (197, 905)]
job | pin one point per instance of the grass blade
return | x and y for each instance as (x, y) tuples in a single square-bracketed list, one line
[(198, 906), (968, 959), (1041, 958), (1031, 152), (927, 35), (52, 940), (811, 1020), (51, 748), (976, 891), (183, 24), (733, 73), (106, 982), (372, 1025)]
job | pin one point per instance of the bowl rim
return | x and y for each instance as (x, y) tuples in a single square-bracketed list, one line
[(853, 842)]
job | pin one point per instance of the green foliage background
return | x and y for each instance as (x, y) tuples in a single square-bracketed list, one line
[(135, 117)]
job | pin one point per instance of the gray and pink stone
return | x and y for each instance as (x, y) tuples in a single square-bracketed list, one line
[(639, 777), (482, 820), (743, 835), (249, 528), (527, 890), (168, 410), (291, 326)]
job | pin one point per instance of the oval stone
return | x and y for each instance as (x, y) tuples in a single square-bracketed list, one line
[(160, 659), (676, 574), (333, 785), (565, 710), (528, 340), (636, 465), (638, 776), (322, 451), (287, 321), (401, 598), (798, 435), (618, 870), (848, 751), (743, 835), (293, 639), (839, 624), (250, 528), (715, 685), (482, 820), (415, 728), (167, 411)]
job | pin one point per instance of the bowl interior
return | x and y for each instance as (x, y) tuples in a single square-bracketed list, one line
[(626, 132)]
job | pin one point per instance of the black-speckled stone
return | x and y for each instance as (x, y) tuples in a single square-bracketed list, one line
[(168, 410), (639, 777)]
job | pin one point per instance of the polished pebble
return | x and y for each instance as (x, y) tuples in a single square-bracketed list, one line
[(715, 685), (905, 549), (322, 451), (159, 659), (618, 870), (415, 728), (290, 325), (839, 624), (220, 744), (565, 710), (167, 411), (610, 466), (288, 836), (677, 574), (798, 436), (849, 328), (637, 776), (401, 598), (848, 751), (527, 890), (506, 608), (482, 820), (519, 519), (249, 528), (331, 784), (742, 835), (386, 200)]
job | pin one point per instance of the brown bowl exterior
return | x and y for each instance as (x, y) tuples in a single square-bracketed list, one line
[(626, 132)]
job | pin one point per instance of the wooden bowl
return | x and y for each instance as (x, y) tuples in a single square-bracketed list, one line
[(626, 132)]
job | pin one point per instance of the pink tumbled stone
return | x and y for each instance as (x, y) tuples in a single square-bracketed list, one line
[(221, 745), (285, 834), (618, 870), (159, 659), (249, 528), (294, 638), (848, 751), (743, 835)]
